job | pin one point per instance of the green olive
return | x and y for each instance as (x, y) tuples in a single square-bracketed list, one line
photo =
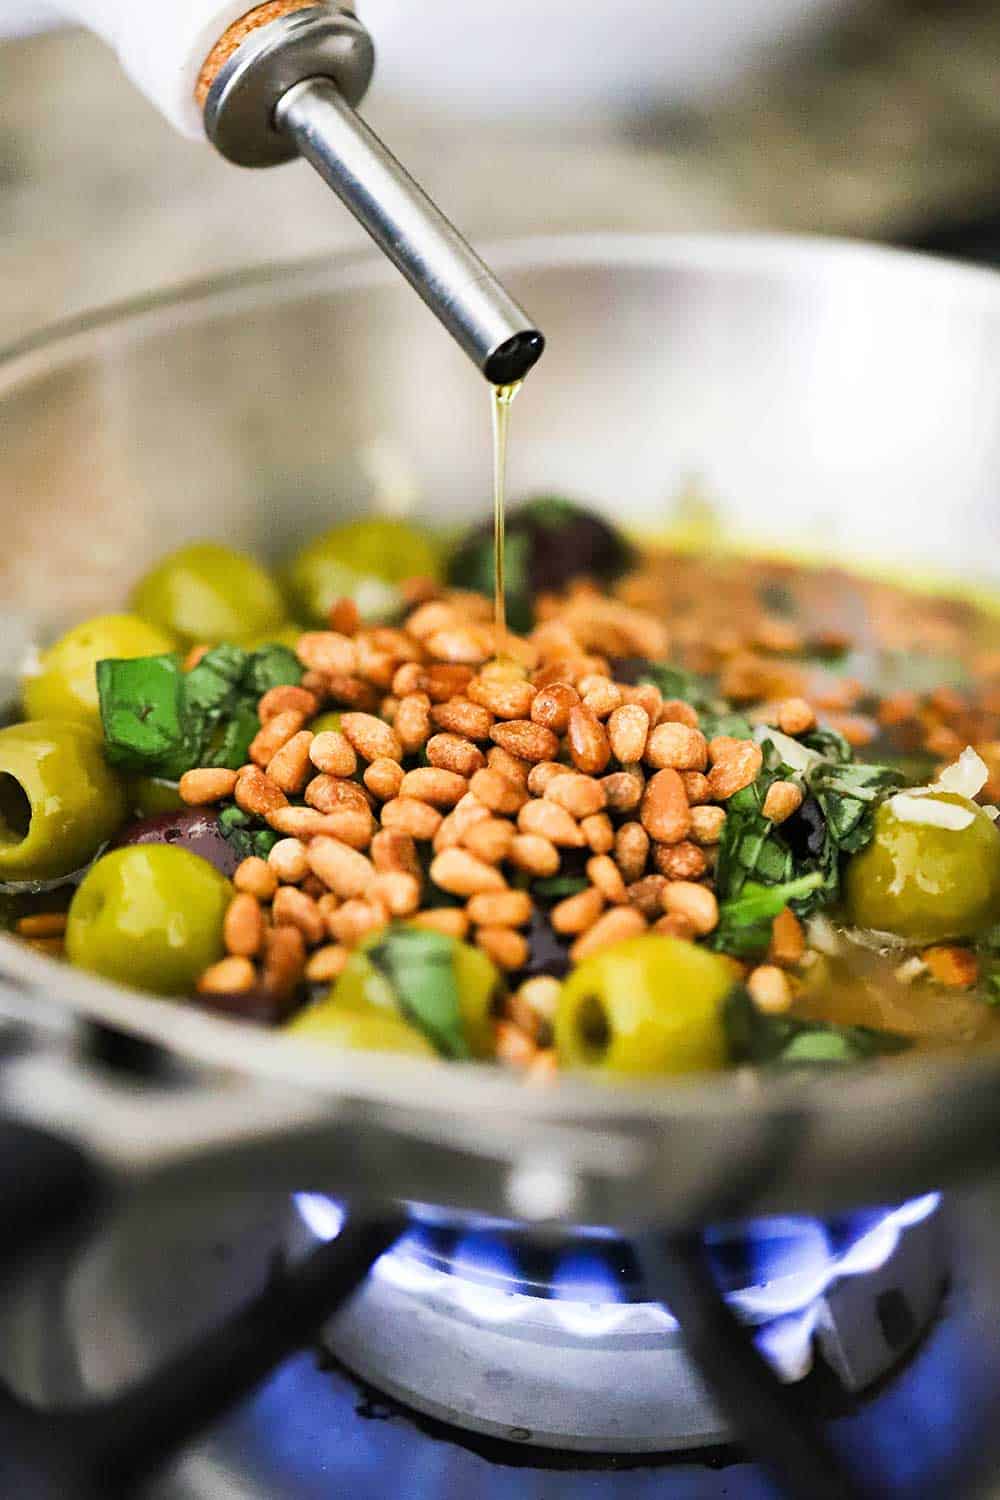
[(361, 560), (365, 1028), (361, 985), (148, 796), (282, 635), (59, 800), (650, 1005), (149, 916), (208, 593), (927, 884), (65, 685)]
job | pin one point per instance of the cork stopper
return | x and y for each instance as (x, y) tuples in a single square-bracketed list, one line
[(237, 33)]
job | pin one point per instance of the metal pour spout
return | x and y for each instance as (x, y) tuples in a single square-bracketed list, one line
[(290, 90)]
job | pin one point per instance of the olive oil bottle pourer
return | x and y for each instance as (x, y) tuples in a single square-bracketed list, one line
[(283, 80)]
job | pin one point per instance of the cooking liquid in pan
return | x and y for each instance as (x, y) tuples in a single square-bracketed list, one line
[(502, 397)]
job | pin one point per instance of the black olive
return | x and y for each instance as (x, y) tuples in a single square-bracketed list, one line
[(805, 831), (195, 829)]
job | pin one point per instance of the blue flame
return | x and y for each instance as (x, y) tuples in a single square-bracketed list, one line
[(774, 1273)]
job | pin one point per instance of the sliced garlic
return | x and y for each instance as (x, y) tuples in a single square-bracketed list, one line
[(966, 776), (915, 808)]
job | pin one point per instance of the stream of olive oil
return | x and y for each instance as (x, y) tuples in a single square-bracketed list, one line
[(502, 398)]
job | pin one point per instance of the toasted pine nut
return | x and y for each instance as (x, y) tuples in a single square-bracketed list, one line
[(599, 832), (675, 925), (451, 920), (393, 851), (243, 926), (623, 790), (515, 1049), (293, 908), (194, 657), (525, 739), (326, 963), (552, 704), (344, 617), (229, 976), (649, 697), (333, 793), (664, 812), (288, 861), (628, 730), (277, 699), (489, 839), (788, 941), (606, 876), (466, 813), (408, 815), (284, 959), (783, 798), (707, 824), (512, 766), (735, 766), (587, 738), (603, 698), (255, 793), (500, 909), (678, 747), (353, 921), (580, 795), (413, 718), (615, 926), (577, 913), (432, 784), (384, 777), (333, 753), (683, 861), (952, 966), (371, 738), (42, 924), (543, 773), (290, 768), (342, 869), (276, 732), (540, 996), (328, 652), (796, 716), (510, 699), (552, 822), (694, 902), (534, 854), (461, 716), (460, 874), (206, 784), (399, 893), (646, 895), (495, 792), (507, 948), (769, 989), (450, 752), (351, 825), (256, 877), (631, 851)]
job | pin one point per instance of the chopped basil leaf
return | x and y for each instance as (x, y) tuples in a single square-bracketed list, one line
[(246, 834), (786, 1040), (419, 966), (744, 928), (162, 721)]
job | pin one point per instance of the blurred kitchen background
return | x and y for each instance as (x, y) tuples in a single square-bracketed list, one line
[(877, 119)]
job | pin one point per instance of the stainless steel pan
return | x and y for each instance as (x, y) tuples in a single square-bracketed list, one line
[(832, 397)]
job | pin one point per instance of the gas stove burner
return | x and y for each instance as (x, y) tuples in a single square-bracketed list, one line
[(563, 1347)]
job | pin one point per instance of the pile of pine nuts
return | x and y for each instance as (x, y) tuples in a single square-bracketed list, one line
[(455, 779)]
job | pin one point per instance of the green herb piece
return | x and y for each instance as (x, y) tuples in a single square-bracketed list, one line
[(788, 1041), (992, 993), (161, 721), (143, 715), (419, 967), (744, 928), (675, 682), (558, 887), (246, 834)]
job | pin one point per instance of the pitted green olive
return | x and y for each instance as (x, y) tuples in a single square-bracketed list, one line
[(648, 1006), (361, 560), (59, 800), (363, 1028)]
